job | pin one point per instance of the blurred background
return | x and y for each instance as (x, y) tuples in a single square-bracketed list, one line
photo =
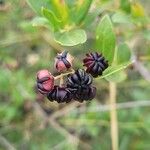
[(28, 121)]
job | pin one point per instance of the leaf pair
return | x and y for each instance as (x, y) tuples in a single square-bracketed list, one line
[(56, 15)]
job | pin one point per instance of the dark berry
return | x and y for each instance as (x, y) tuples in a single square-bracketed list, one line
[(63, 61), (85, 94), (79, 84), (60, 94), (95, 64), (45, 81), (79, 80)]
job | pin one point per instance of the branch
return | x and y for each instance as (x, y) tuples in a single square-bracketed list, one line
[(113, 116), (6, 144)]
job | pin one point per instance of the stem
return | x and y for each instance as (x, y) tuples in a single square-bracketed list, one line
[(61, 80), (117, 3), (63, 74), (113, 116)]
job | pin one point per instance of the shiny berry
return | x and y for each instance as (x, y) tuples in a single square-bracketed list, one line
[(45, 81), (79, 84), (95, 64), (63, 61), (85, 94), (79, 80), (60, 94)]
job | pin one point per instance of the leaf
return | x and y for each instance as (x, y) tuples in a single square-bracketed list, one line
[(39, 21), (137, 10), (61, 10), (82, 10), (71, 38), (36, 5), (125, 5), (105, 38), (117, 77), (54, 21), (121, 18), (114, 69), (123, 53)]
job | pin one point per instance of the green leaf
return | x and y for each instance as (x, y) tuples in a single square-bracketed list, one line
[(114, 69), (71, 38), (39, 21), (36, 5), (125, 5), (105, 38), (121, 18), (82, 11), (117, 77), (123, 53), (54, 21)]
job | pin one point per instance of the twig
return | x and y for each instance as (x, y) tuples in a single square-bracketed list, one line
[(113, 116), (142, 70), (65, 110), (51, 120), (51, 42), (126, 105), (6, 144), (64, 74)]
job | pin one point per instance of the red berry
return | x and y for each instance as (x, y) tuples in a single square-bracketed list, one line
[(45, 81), (63, 61)]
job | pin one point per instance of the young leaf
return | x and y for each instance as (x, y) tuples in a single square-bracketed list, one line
[(123, 53), (71, 38), (105, 38), (61, 10), (36, 5), (82, 10), (54, 21)]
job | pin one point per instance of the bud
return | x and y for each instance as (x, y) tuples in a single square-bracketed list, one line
[(63, 61), (45, 81)]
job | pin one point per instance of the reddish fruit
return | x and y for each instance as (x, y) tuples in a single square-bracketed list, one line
[(63, 61), (45, 81)]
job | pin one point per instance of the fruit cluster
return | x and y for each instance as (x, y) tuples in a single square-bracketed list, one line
[(78, 85)]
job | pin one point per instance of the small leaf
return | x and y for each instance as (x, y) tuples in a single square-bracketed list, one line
[(137, 10), (54, 21), (121, 18), (36, 5), (105, 38), (82, 10), (71, 38), (39, 21), (123, 53), (114, 69), (61, 10)]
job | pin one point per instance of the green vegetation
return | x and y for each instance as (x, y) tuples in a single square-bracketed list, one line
[(32, 32)]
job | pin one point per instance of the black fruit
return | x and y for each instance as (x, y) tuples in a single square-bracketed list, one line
[(79, 80), (95, 64), (79, 84), (60, 94)]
